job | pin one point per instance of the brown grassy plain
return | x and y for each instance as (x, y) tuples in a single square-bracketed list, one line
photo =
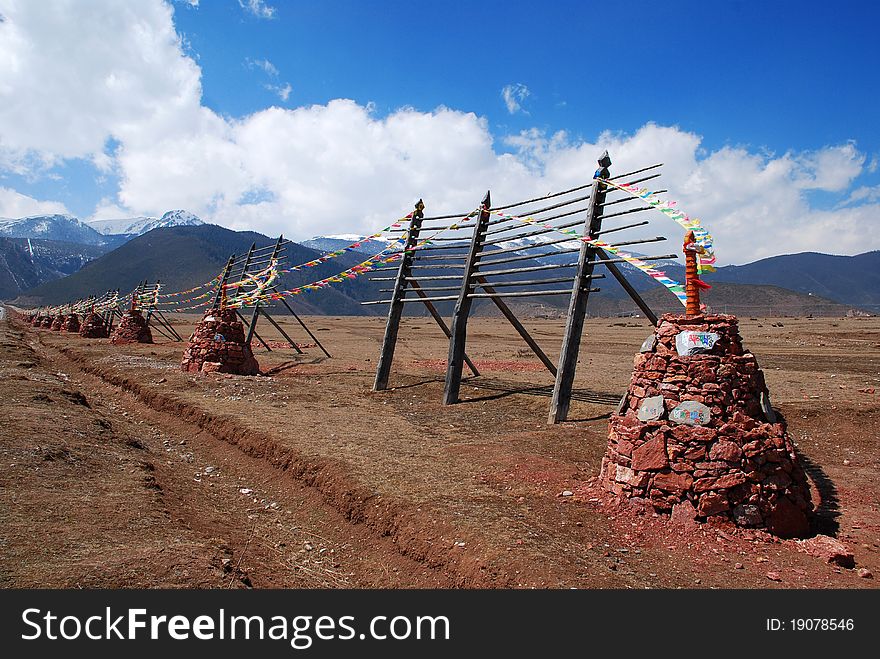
[(317, 481)]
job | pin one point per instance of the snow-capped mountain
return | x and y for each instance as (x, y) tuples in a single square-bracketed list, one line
[(338, 241), (67, 228), (536, 241), (137, 226), (51, 227)]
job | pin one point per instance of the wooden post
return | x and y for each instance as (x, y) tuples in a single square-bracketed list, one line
[(302, 324), (152, 299), (253, 325), (577, 306), (281, 331), (221, 287), (439, 320), (244, 322), (633, 293), (692, 280), (455, 361), (395, 310)]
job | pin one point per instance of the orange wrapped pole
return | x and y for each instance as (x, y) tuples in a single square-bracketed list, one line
[(693, 284)]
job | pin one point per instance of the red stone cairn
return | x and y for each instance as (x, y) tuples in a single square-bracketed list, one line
[(696, 431), (218, 344), (132, 328)]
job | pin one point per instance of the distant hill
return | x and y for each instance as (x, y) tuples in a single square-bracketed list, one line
[(185, 256), (62, 244), (853, 280), (181, 257), (333, 243), (746, 300)]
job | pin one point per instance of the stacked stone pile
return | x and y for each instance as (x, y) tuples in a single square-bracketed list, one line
[(218, 345), (46, 322), (93, 327), (58, 322), (696, 430), (71, 324), (132, 328)]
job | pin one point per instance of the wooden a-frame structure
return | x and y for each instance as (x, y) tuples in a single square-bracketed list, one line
[(474, 274)]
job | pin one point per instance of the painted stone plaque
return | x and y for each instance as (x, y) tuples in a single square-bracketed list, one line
[(693, 343), (651, 408), (691, 413), (767, 408), (649, 344)]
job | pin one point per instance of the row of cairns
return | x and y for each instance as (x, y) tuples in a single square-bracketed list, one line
[(218, 344), (91, 327), (696, 435), (59, 322)]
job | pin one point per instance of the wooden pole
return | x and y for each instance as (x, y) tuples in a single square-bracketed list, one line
[(442, 323), (152, 305), (632, 292), (302, 324), (505, 310), (395, 310), (253, 324), (281, 331), (692, 281), (577, 306), (221, 287), (458, 340), (256, 334)]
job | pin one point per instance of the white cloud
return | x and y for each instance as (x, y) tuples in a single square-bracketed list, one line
[(14, 204), (74, 75), (130, 100), (283, 91), (108, 210), (513, 96), (258, 8), (264, 65), (862, 194)]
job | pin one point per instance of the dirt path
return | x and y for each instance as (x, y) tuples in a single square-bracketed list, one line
[(399, 490), (98, 490)]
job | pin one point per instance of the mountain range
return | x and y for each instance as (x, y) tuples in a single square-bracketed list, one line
[(42, 248), (182, 251)]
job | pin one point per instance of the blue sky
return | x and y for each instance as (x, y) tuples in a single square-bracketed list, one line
[(784, 92), (780, 75)]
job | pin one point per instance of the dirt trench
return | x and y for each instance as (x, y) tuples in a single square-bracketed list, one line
[(100, 490)]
